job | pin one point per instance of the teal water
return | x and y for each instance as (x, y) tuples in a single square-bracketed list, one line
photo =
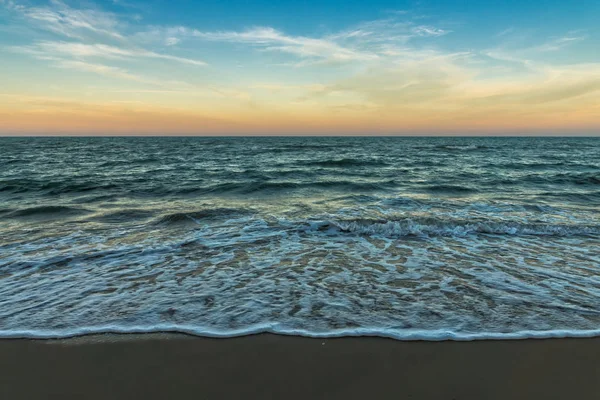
[(410, 238)]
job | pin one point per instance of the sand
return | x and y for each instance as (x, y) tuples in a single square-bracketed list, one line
[(280, 367)]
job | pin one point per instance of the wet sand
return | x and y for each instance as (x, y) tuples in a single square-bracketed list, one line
[(279, 367)]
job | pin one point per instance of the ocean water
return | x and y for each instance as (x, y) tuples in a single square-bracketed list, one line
[(409, 238)]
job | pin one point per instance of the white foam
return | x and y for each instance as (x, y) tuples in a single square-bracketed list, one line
[(303, 275), (404, 335), (411, 227)]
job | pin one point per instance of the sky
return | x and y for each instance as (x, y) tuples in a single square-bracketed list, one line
[(158, 67)]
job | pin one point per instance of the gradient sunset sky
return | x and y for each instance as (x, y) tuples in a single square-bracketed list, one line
[(290, 67)]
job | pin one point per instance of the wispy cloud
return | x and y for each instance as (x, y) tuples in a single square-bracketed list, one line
[(505, 32), (364, 42), (91, 42), (102, 69), (400, 28), (424, 30), (82, 50), (171, 41), (11, 5), (527, 55), (559, 43), (61, 19), (425, 80), (273, 40)]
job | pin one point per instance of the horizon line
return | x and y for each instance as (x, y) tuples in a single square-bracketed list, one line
[(241, 135)]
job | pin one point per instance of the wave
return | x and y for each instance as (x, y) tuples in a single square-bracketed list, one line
[(48, 211), (194, 216), (13, 161), (450, 189), (6, 210), (120, 216), (578, 179), (427, 227), (163, 189), (298, 148), (585, 198), (120, 163), (275, 328), (526, 165), (357, 198), (551, 179), (347, 162), (461, 147), (267, 186), (52, 187)]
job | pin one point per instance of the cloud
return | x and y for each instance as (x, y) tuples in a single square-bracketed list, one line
[(419, 81), (364, 42), (82, 50), (547, 92), (389, 30), (529, 56), (550, 84), (505, 32), (272, 40), (101, 69), (11, 5), (424, 30), (66, 21), (123, 73), (91, 43), (501, 54), (435, 86), (79, 24), (171, 41), (558, 43)]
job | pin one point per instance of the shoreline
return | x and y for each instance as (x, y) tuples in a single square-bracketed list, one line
[(408, 335), (166, 365)]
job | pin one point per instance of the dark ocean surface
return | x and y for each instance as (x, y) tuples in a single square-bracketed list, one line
[(410, 238)]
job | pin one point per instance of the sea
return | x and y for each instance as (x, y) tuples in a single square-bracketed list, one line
[(411, 238)]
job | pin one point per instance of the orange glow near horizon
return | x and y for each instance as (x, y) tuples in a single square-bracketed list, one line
[(111, 119)]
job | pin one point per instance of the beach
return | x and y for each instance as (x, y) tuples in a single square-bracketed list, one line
[(428, 268), (160, 366)]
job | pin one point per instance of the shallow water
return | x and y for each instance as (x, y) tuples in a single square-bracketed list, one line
[(411, 238)]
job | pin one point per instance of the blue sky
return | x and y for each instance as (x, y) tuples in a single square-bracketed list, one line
[(481, 18), (211, 66)]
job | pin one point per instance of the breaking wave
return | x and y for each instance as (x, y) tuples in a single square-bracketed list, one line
[(433, 227)]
